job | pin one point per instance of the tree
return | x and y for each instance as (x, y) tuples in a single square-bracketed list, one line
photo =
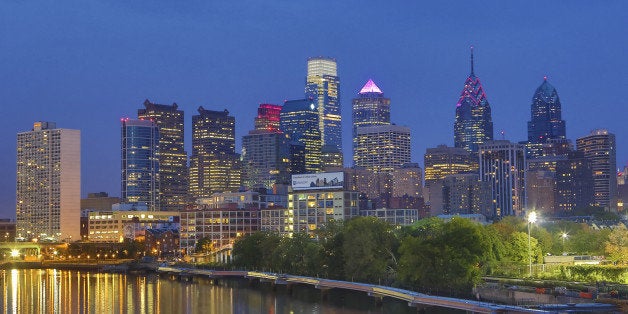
[(255, 250), (298, 255), (616, 246), (204, 245)]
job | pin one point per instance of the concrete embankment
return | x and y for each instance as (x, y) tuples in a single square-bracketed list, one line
[(63, 265)]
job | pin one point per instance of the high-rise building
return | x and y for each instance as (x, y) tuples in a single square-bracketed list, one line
[(574, 183), (407, 180), (300, 120), (173, 159), (323, 88), (502, 165), (48, 185), (465, 194), (369, 108), (442, 161), (266, 152), (599, 147), (214, 165), (332, 159), (546, 122), (140, 163), (474, 125), (540, 190), (382, 148)]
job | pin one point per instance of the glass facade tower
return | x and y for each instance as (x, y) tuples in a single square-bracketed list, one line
[(474, 125), (370, 108), (173, 160), (140, 162), (300, 120), (545, 122), (323, 87)]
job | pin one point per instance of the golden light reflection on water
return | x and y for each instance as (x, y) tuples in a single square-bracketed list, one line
[(64, 291)]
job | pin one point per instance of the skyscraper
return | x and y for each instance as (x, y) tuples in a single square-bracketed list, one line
[(323, 87), (300, 120), (474, 125), (214, 165), (545, 122), (599, 147), (48, 187), (173, 159), (502, 165), (266, 152), (574, 183), (382, 148), (369, 108), (140, 163), (442, 161)]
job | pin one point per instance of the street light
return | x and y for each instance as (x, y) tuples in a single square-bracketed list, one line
[(564, 236), (531, 220)]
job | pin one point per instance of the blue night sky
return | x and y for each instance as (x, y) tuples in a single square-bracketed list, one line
[(85, 64)]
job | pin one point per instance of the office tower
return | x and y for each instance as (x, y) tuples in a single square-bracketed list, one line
[(442, 161), (502, 165), (331, 159), (48, 185), (140, 163), (369, 108), (474, 125), (407, 180), (300, 120), (266, 152), (541, 190), (323, 88), (574, 183), (382, 148), (465, 194), (546, 122), (599, 147), (214, 165), (173, 159)]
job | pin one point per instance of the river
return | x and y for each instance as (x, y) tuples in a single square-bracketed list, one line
[(71, 291)]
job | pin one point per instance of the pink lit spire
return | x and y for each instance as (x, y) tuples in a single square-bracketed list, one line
[(370, 87)]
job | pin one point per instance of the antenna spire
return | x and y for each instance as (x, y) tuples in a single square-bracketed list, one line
[(472, 74)]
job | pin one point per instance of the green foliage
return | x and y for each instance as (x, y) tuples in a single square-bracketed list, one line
[(256, 250), (616, 246), (588, 273), (204, 245)]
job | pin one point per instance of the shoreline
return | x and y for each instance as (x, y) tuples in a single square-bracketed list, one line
[(99, 265)]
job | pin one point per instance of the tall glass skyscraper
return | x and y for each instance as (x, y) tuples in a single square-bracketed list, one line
[(48, 185), (214, 165), (266, 152), (173, 159), (323, 87), (370, 108), (140, 163), (300, 120), (474, 125), (545, 123)]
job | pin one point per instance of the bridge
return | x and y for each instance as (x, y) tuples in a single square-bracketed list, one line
[(21, 247), (413, 298)]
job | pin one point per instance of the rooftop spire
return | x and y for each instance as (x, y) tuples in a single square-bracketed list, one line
[(472, 74), (370, 87)]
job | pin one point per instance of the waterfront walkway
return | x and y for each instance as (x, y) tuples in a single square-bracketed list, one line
[(413, 298)]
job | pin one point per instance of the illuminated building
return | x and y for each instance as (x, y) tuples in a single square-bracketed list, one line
[(442, 161), (300, 120), (599, 147), (545, 122), (574, 183), (242, 200), (331, 158), (140, 164), (214, 165), (266, 152), (99, 201), (369, 108), (7, 230), (48, 183), (541, 190), (113, 226), (474, 125), (376, 187), (407, 180), (393, 216), (173, 159), (220, 226), (460, 194), (382, 148), (323, 88), (316, 199), (502, 165)]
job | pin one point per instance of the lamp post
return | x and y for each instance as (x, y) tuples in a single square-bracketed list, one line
[(531, 220), (564, 236)]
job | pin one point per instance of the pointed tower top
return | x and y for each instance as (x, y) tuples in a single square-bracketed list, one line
[(472, 74), (370, 87)]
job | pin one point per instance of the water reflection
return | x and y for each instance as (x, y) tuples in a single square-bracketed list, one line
[(63, 291)]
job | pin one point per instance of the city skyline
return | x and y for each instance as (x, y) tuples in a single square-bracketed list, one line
[(98, 62)]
